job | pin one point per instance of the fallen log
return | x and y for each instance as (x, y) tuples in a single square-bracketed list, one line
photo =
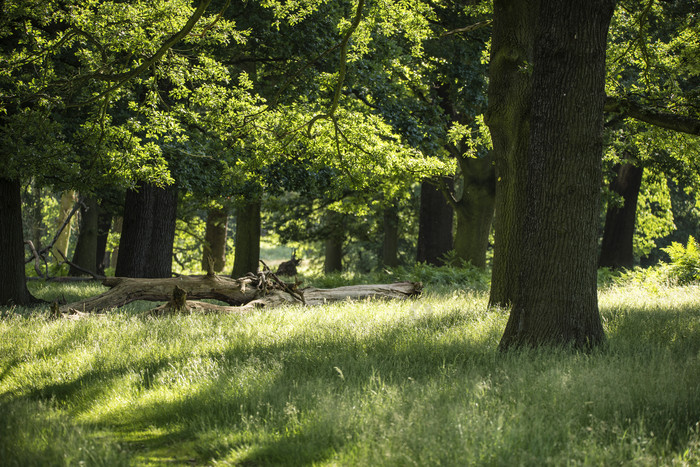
[(252, 291)]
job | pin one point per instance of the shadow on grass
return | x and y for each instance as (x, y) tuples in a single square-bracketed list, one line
[(262, 404)]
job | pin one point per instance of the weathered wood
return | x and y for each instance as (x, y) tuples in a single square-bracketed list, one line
[(261, 290)]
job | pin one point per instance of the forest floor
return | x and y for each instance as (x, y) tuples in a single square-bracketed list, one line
[(416, 382)]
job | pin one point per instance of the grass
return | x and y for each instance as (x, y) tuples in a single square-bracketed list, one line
[(371, 383)]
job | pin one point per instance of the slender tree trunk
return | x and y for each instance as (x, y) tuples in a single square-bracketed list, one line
[(117, 229), (148, 232), (85, 254), (215, 239), (434, 224), (508, 118), (556, 297), (104, 223), (618, 236), (333, 244), (475, 210), (13, 286), (247, 244), (390, 241), (65, 207)]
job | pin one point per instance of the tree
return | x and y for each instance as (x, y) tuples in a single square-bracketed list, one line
[(148, 231), (557, 130), (435, 222)]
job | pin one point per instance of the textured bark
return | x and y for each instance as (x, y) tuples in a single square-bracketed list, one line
[(618, 237), (247, 244), (556, 298), (148, 232), (13, 286), (215, 239), (475, 210), (435, 222), (85, 255), (508, 118), (390, 240), (64, 208), (250, 291)]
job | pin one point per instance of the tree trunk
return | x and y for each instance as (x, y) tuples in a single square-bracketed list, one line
[(64, 209), (333, 244), (390, 241), (618, 236), (250, 291), (555, 300), (508, 118), (148, 232), (434, 224), (475, 210), (104, 224), (215, 239), (85, 255), (13, 286), (247, 245), (117, 229)]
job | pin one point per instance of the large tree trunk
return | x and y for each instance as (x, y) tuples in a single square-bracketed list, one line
[(148, 232), (13, 285), (390, 241), (508, 118), (247, 244), (435, 221), (60, 248), (475, 210), (262, 290), (618, 236), (85, 255), (554, 298), (215, 239)]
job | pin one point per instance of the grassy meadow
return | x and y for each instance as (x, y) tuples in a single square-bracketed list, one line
[(373, 383)]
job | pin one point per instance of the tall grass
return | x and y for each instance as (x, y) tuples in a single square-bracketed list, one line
[(371, 383)]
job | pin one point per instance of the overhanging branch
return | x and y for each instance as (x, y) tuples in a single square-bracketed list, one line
[(662, 119)]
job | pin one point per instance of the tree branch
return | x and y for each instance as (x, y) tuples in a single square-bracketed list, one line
[(663, 119)]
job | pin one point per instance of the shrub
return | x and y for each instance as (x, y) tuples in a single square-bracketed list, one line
[(685, 261)]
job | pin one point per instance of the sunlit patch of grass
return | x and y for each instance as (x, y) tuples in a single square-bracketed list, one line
[(368, 383)]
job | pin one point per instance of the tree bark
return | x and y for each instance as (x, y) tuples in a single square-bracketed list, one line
[(475, 210), (617, 248), (250, 291), (215, 239), (435, 222), (390, 240), (508, 118), (13, 285), (247, 244), (148, 232), (555, 300), (65, 207), (85, 255)]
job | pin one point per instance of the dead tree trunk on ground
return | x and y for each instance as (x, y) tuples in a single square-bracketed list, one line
[(252, 291)]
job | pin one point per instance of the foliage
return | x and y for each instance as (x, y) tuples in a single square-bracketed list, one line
[(371, 383), (685, 261)]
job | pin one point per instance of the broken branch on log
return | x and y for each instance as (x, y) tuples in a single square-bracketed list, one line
[(242, 294)]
